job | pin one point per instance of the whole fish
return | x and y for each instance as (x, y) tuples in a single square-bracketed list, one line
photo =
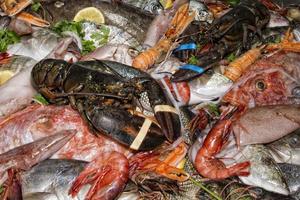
[(287, 149), (54, 178), (122, 17)]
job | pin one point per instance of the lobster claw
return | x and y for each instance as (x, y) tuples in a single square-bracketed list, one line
[(133, 131), (165, 114)]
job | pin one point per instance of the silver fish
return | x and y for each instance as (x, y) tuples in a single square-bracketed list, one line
[(14, 65), (122, 17), (36, 46), (114, 52), (152, 6), (292, 176), (52, 179), (287, 149), (264, 171), (210, 87), (202, 12), (116, 35), (18, 90)]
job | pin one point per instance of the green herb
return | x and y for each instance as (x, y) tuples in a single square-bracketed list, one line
[(214, 195), (7, 37), (40, 99), (87, 46), (199, 46), (36, 6), (64, 25), (193, 60), (233, 2), (231, 57), (213, 108), (1, 189), (102, 35)]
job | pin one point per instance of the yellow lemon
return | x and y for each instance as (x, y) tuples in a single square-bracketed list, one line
[(166, 3), (91, 14), (5, 76)]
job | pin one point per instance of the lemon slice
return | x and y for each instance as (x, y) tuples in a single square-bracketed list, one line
[(5, 76), (91, 14), (166, 3)]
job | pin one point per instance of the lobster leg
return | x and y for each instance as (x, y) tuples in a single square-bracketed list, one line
[(32, 19)]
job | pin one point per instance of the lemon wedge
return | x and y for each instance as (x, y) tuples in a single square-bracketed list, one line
[(166, 3), (91, 14), (5, 76)]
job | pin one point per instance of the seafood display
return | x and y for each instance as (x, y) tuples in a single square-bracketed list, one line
[(149, 99)]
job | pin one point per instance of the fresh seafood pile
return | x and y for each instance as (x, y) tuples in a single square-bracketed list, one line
[(149, 99)]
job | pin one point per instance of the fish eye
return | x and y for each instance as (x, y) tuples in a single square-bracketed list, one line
[(296, 91), (260, 85), (154, 7), (133, 52)]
